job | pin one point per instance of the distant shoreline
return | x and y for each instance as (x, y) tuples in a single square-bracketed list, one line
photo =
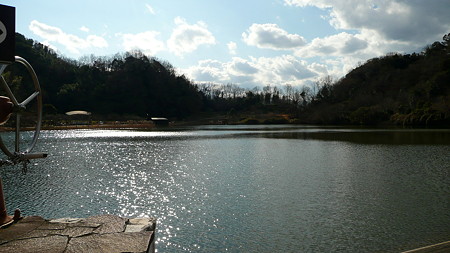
[(102, 126), (93, 126), (149, 125)]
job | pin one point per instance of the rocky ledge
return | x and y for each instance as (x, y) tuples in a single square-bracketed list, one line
[(102, 233)]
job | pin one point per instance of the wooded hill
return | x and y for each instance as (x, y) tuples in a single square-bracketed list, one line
[(412, 89), (122, 86)]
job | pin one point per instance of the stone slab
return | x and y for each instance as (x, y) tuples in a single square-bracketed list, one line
[(102, 233), (66, 220), (111, 243), (110, 223), (77, 231), (79, 222), (52, 226), (140, 224), (20, 229), (53, 244)]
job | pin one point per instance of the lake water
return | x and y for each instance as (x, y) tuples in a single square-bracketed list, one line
[(249, 188)]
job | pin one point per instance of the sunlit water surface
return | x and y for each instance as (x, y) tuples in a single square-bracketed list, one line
[(249, 188)]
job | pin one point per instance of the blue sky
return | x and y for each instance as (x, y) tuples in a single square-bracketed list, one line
[(247, 42)]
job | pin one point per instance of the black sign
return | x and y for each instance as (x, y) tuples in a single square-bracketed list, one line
[(7, 33)]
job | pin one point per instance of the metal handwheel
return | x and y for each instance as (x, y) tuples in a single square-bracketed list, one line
[(23, 155)]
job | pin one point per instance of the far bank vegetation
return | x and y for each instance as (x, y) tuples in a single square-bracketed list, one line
[(402, 89)]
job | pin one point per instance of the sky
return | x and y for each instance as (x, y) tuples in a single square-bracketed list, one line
[(250, 43)]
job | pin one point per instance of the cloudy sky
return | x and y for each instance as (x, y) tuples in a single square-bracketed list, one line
[(245, 42)]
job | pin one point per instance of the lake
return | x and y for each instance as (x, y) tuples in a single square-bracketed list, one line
[(249, 188)]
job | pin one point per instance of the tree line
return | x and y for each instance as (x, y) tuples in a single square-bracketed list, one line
[(395, 88)]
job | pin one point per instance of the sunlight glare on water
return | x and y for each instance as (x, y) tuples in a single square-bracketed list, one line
[(118, 133)]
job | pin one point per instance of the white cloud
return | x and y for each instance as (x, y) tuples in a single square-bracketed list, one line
[(211, 64), (150, 9), (71, 42), (187, 38), (342, 52), (45, 31), (334, 45), (96, 41), (319, 68), (414, 21), (283, 69), (257, 71), (373, 28), (232, 46), (241, 67), (147, 42), (271, 36), (208, 71), (84, 29)]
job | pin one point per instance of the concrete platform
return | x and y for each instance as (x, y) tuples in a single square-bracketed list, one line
[(103, 233)]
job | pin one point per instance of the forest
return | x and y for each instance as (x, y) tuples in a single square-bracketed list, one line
[(401, 89)]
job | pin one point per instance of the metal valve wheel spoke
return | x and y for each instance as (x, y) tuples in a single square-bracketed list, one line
[(19, 109)]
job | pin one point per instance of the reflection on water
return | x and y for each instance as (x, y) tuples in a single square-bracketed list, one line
[(249, 189), (371, 137)]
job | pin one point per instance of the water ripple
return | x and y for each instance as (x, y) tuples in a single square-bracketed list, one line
[(217, 190)]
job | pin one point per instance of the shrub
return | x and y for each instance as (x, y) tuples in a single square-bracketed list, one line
[(368, 115)]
